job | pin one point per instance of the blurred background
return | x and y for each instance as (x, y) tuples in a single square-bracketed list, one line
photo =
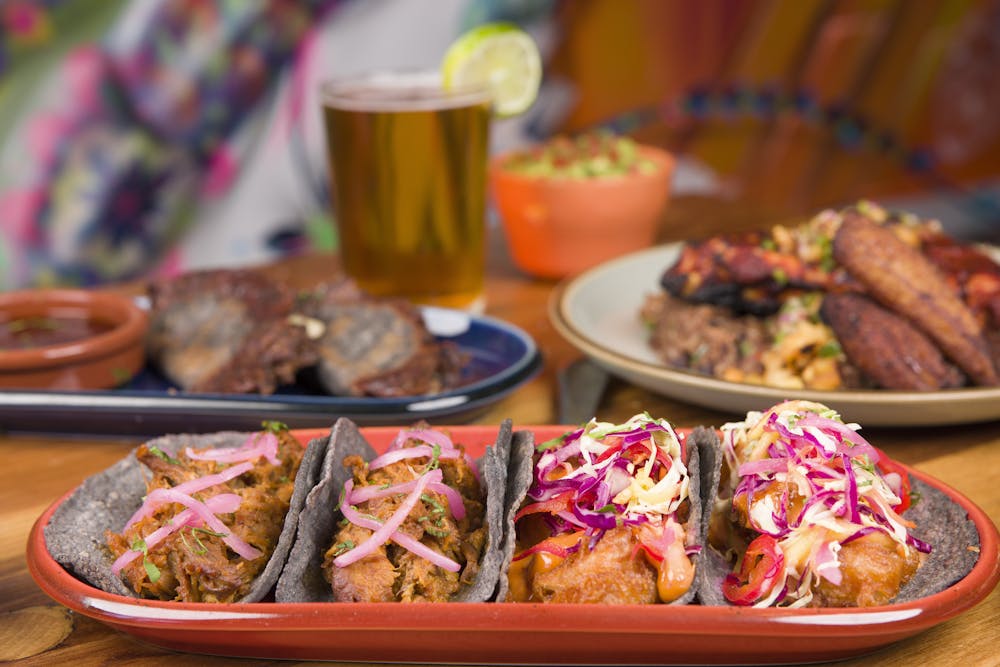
[(148, 137)]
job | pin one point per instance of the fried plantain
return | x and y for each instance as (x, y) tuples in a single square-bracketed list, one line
[(904, 281), (886, 347)]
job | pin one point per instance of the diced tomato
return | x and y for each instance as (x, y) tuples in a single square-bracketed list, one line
[(887, 465), (763, 565), (553, 505)]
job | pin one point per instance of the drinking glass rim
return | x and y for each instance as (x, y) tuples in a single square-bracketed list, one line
[(433, 94)]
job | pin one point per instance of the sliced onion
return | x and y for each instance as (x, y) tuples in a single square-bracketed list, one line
[(224, 503), (429, 436), (387, 529), (366, 493), (396, 455), (233, 541), (258, 444), (402, 539), (192, 486)]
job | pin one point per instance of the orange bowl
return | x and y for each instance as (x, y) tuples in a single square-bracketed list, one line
[(560, 226), (69, 339)]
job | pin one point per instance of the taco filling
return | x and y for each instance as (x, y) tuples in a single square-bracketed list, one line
[(811, 513), (210, 519), (606, 517), (413, 525)]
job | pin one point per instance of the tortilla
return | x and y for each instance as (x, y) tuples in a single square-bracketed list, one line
[(75, 534), (701, 442), (940, 522), (302, 578)]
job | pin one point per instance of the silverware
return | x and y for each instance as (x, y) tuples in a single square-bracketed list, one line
[(581, 387)]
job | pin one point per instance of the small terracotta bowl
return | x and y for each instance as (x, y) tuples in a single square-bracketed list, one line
[(69, 339), (560, 226)]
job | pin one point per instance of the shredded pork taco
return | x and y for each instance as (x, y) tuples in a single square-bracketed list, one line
[(190, 518), (420, 522), (608, 513)]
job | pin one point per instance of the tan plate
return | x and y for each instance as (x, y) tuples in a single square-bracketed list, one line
[(105, 358), (598, 313)]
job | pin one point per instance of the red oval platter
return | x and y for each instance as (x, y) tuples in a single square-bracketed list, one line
[(505, 633)]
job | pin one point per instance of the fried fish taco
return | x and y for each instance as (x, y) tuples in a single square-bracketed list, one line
[(421, 522), (811, 514), (190, 518), (608, 513)]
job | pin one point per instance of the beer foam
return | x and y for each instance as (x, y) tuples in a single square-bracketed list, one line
[(398, 91)]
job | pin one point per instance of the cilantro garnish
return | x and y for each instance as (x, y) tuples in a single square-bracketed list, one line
[(275, 427), (550, 444), (831, 348), (342, 547), (438, 508), (152, 571), (156, 451), (436, 532), (435, 457)]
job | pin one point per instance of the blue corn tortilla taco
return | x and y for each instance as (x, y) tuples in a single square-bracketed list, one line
[(810, 514), (421, 522), (189, 518), (606, 513)]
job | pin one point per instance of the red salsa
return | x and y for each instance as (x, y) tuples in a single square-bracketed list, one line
[(25, 333)]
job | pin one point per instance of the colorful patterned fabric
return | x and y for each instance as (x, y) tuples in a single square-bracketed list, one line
[(128, 134)]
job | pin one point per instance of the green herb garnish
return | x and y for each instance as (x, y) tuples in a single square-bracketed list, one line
[(275, 427), (159, 453), (152, 571), (438, 508), (550, 444), (342, 547), (830, 348)]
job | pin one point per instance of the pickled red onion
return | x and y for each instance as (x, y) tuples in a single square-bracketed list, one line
[(192, 486), (410, 544), (431, 437), (387, 529), (396, 455), (455, 503), (234, 542), (224, 503), (256, 445), (424, 435)]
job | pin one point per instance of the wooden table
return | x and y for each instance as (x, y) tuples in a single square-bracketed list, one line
[(37, 469)]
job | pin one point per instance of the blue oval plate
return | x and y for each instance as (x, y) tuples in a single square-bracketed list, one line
[(502, 357)]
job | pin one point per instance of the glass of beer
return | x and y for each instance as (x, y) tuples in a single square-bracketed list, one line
[(408, 175)]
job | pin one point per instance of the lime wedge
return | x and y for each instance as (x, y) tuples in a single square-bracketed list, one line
[(502, 56)]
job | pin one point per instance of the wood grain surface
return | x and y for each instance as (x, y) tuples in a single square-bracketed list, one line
[(35, 470)]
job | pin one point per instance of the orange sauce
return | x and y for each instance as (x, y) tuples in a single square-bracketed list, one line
[(524, 570)]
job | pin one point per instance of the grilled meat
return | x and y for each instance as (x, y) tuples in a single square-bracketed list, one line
[(377, 347), (236, 331), (902, 279), (886, 347), (612, 572), (973, 274), (704, 338), (754, 272), (740, 272), (225, 331)]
